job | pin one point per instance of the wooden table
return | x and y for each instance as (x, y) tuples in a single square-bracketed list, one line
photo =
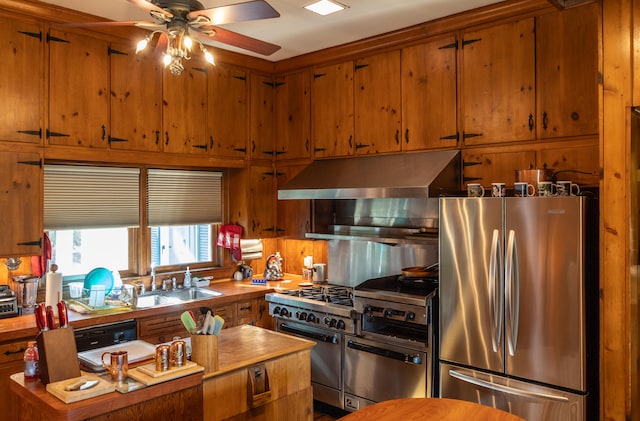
[(424, 409)]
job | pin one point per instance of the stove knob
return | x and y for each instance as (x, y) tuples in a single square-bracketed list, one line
[(284, 312), (301, 315), (311, 317), (341, 324), (411, 315), (276, 310), (333, 323), (326, 321)]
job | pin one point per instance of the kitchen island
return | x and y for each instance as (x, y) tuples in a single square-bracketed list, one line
[(262, 375)]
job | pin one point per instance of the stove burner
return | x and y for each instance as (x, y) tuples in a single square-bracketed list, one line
[(327, 293)]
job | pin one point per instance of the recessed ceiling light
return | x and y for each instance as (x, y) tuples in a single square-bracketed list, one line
[(325, 7)]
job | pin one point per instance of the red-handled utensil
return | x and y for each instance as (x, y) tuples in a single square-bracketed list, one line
[(63, 315), (41, 317), (51, 318)]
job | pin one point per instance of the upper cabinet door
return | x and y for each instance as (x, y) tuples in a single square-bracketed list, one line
[(229, 111), (293, 115), (498, 83), (261, 122), (21, 199), (78, 90), (377, 103), (429, 106), (185, 110), (136, 100), (21, 79), (332, 110), (567, 66)]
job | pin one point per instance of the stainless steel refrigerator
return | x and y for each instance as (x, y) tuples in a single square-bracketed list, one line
[(519, 305)]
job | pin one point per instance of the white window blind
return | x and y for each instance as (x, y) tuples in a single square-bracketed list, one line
[(176, 197), (90, 197)]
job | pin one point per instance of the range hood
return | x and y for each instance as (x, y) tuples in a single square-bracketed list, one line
[(407, 175)]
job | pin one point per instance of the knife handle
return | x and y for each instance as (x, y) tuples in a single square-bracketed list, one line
[(63, 315), (51, 318), (41, 317)]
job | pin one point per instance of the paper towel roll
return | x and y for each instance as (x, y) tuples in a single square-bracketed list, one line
[(252, 256), (53, 292), (250, 245)]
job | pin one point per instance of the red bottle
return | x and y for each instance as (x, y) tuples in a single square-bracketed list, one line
[(31, 371)]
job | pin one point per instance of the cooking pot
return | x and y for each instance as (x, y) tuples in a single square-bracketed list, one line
[(534, 176)]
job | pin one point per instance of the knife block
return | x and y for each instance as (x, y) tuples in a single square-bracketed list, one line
[(57, 355), (204, 351)]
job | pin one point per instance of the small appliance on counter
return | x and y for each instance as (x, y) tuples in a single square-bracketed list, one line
[(8, 302), (273, 269), (26, 293)]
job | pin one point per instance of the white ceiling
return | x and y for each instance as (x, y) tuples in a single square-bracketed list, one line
[(299, 31)]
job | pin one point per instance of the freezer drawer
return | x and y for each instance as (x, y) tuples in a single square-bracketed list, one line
[(529, 401)]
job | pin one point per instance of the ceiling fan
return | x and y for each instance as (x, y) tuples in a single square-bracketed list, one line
[(181, 22)]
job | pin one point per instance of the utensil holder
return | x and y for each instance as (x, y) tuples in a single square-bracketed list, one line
[(204, 351)]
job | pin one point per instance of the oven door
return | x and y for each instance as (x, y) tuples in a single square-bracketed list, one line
[(326, 360), (376, 371)]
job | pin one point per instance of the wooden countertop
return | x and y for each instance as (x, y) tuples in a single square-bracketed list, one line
[(246, 345), (440, 409), (24, 327)]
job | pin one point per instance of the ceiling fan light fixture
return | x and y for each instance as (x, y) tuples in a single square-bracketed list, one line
[(325, 7)]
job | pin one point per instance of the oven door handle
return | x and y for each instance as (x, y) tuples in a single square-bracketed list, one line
[(333, 339), (407, 358)]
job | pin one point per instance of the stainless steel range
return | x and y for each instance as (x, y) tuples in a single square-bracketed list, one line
[(323, 314)]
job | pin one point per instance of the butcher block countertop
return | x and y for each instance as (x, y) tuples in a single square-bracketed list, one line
[(246, 345), (21, 327)]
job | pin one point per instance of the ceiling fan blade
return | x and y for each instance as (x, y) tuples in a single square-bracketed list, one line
[(242, 41), (141, 24), (251, 10), (151, 8)]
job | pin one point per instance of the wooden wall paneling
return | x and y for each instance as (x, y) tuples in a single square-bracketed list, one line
[(616, 400)]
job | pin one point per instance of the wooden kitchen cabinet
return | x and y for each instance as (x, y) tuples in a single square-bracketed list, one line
[(262, 202), (567, 72), (261, 117), (21, 201), (429, 106), (185, 112), (494, 165), (377, 100), (576, 161), (293, 116), (21, 80), (78, 90), (294, 216), (498, 84), (332, 110), (11, 362), (228, 111), (136, 99)]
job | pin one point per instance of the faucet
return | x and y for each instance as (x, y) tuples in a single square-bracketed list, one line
[(153, 277)]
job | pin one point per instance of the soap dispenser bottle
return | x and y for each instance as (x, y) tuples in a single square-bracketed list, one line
[(187, 279)]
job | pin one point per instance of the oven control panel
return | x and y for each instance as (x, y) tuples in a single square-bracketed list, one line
[(312, 317), (391, 310)]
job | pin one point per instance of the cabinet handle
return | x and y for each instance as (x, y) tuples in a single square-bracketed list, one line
[(253, 146), (406, 136), (211, 142), (17, 351), (530, 122), (545, 120), (397, 136), (350, 141), (316, 150), (245, 308), (306, 145), (157, 137), (166, 138), (104, 133)]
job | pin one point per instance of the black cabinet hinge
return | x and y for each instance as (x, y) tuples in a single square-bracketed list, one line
[(32, 243), (465, 179), (272, 84), (32, 34), (243, 150), (56, 134), (470, 163), (32, 132), (452, 45), (360, 66), (362, 145), (241, 77), (470, 41), (56, 39), (468, 135), (451, 137), (36, 163), (111, 51), (116, 139), (319, 149), (318, 75), (203, 147)]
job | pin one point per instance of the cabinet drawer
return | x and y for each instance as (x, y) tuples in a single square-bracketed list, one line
[(245, 312), (228, 313), (161, 329), (13, 351)]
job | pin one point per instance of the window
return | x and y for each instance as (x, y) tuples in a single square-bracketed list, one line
[(92, 215)]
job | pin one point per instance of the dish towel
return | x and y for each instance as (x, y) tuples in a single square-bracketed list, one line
[(39, 263), (229, 238)]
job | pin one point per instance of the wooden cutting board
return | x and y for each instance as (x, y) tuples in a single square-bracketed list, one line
[(66, 396), (147, 374)]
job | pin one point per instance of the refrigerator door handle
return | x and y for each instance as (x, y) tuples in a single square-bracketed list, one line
[(512, 293), (506, 389), (495, 301)]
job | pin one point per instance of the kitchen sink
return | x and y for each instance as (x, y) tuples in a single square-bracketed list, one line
[(177, 296)]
